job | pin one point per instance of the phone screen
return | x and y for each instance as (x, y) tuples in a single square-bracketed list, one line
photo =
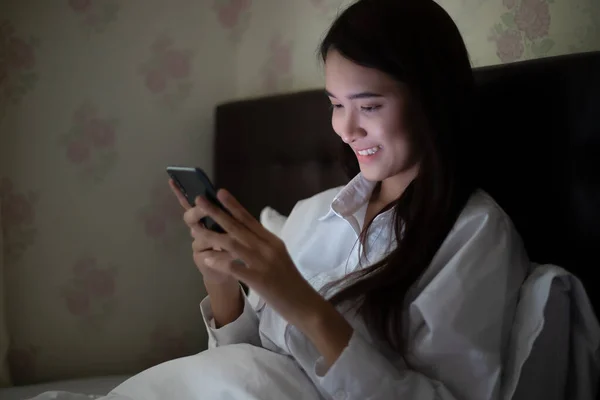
[(193, 182), (190, 186)]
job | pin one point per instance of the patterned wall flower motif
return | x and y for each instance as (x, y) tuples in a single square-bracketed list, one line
[(234, 16), (533, 18), (509, 45), (523, 30), (96, 15), (167, 72), (89, 293), (17, 65), (22, 361), (161, 219), (166, 343), (587, 35), (90, 143), (585, 39), (327, 7), (277, 69), (17, 209)]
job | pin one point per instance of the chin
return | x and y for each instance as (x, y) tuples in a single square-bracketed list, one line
[(373, 174)]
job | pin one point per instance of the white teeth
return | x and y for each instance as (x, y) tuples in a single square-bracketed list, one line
[(369, 152)]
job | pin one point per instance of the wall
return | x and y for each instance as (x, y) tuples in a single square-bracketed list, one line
[(97, 97), (279, 54)]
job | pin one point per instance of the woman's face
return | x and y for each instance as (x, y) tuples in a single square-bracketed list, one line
[(368, 115)]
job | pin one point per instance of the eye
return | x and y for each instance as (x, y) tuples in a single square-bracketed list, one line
[(370, 108), (334, 106)]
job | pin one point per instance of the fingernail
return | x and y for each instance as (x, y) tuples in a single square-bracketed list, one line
[(226, 195), (209, 261)]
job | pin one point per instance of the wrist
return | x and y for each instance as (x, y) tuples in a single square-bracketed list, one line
[(314, 312), (221, 291), (327, 329), (220, 284), (226, 300)]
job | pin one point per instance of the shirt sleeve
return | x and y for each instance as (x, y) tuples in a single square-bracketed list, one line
[(243, 330), (458, 326), (361, 372)]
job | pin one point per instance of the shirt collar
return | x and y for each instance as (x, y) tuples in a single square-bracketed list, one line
[(353, 196)]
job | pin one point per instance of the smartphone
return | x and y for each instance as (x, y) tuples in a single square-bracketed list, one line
[(193, 182)]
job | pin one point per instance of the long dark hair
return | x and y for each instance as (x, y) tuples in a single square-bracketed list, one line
[(418, 44)]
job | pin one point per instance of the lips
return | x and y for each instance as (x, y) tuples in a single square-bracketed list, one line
[(367, 154), (369, 151)]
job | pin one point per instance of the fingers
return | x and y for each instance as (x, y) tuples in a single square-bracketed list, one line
[(206, 239), (180, 197), (240, 271), (196, 230), (226, 221), (214, 259), (225, 263), (199, 245), (240, 213), (240, 224), (232, 226), (212, 275), (193, 215)]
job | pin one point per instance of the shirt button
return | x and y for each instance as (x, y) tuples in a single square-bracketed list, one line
[(339, 395)]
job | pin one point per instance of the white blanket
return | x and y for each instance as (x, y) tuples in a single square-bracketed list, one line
[(236, 372)]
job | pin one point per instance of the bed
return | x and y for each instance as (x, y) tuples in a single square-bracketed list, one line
[(544, 171), (89, 386)]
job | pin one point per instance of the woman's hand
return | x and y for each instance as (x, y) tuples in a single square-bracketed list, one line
[(254, 256), (201, 249), (260, 259)]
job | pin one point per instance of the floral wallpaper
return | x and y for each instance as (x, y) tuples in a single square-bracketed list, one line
[(98, 97), (95, 16), (90, 144), (523, 31), (17, 65), (166, 72), (89, 293), (277, 66), (234, 16), (18, 221)]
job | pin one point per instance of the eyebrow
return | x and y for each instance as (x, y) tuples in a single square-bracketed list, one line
[(361, 95)]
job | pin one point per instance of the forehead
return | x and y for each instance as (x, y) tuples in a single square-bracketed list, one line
[(343, 75)]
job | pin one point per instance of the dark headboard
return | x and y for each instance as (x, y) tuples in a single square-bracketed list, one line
[(539, 157)]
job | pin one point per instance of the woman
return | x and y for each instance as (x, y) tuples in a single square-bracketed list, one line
[(422, 307), (404, 283)]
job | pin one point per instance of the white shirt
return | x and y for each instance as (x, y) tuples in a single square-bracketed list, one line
[(459, 313), (554, 350)]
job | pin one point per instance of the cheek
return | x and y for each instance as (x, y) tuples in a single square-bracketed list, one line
[(336, 122), (382, 129), (403, 150), (402, 147), (393, 135), (398, 139), (394, 130)]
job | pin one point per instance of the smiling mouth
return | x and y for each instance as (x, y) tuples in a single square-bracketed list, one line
[(368, 152)]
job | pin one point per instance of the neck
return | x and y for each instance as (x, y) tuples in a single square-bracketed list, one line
[(392, 188)]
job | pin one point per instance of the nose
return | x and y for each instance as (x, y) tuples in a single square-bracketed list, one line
[(348, 128)]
